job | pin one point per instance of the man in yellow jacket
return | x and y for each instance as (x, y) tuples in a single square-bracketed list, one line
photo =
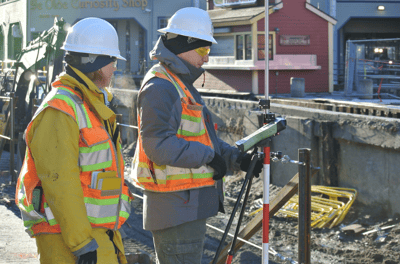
[(71, 189)]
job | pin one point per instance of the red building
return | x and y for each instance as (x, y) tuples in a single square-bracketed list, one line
[(300, 46)]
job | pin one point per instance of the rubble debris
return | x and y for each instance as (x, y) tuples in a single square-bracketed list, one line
[(378, 229), (353, 229)]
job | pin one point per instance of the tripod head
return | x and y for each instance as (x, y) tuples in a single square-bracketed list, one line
[(267, 131), (271, 127)]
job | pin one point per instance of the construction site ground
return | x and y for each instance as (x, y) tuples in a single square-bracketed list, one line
[(328, 246)]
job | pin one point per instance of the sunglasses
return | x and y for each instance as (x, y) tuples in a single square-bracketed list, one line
[(203, 51)]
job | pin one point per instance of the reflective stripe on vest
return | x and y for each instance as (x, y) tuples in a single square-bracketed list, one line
[(164, 178), (96, 157), (99, 211), (76, 103), (82, 119), (191, 126), (108, 209)]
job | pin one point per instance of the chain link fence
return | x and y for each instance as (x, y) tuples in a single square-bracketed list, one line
[(377, 60)]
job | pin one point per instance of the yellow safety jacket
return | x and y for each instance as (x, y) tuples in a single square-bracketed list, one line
[(165, 178), (107, 203)]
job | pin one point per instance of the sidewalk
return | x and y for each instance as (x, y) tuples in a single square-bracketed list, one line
[(15, 244)]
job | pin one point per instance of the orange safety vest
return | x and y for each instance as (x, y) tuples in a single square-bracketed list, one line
[(97, 153), (165, 178)]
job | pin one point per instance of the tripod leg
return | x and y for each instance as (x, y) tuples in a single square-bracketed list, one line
[(232, 250), (249, 175), (230, 222)]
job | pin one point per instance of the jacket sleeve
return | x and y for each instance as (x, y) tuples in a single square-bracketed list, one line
[(228, 152), (231, 155), (160, 111), (54, 144)]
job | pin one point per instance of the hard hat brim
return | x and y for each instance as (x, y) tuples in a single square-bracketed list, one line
[(187, 34), (120, 57), (81, 49)]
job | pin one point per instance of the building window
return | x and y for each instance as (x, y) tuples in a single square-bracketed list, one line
[(114, 24), (243, 47), (128, 46), (1, 44), (225, 3), (239, 47), (247, 47), (225, 47), (14, 41), (35, 35), (142, 60), (162, 22), (261, 47)]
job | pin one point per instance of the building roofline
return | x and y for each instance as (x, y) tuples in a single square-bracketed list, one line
[(320, 13), (241, 17)]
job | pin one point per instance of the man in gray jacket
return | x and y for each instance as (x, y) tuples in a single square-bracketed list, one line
[(179, 160)]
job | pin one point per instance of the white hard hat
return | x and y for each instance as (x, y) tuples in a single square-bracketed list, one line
[(93, 36), (191, 22)]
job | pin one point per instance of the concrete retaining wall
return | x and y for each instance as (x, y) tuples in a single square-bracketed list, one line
[(352, 151)]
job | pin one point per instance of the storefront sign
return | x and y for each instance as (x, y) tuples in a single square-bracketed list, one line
[(78, 4), (294, 40)]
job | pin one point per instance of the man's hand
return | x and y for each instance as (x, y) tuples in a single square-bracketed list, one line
[(219, 165), (88, 258), (245, 163)]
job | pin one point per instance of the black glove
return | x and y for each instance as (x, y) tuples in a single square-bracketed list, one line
[(245, 164), (88, 258), (219, 165)]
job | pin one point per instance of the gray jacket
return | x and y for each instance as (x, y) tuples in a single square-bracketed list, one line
[(160, 108)]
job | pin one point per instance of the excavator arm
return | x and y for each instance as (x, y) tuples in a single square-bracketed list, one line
[(31, 81)]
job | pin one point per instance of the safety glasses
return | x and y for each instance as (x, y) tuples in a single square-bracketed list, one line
[(202, 51), (115, 62)]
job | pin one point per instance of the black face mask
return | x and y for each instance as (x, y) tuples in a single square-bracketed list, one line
[(74, 59), (181, 44)]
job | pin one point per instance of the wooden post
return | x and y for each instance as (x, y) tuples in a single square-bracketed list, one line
[(304, 235)]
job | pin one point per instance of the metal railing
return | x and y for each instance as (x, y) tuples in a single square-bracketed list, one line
[(7, 66), (338, 74)]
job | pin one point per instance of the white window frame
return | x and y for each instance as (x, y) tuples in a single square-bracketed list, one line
[(244, 34), (273, 33), (162, 18)]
